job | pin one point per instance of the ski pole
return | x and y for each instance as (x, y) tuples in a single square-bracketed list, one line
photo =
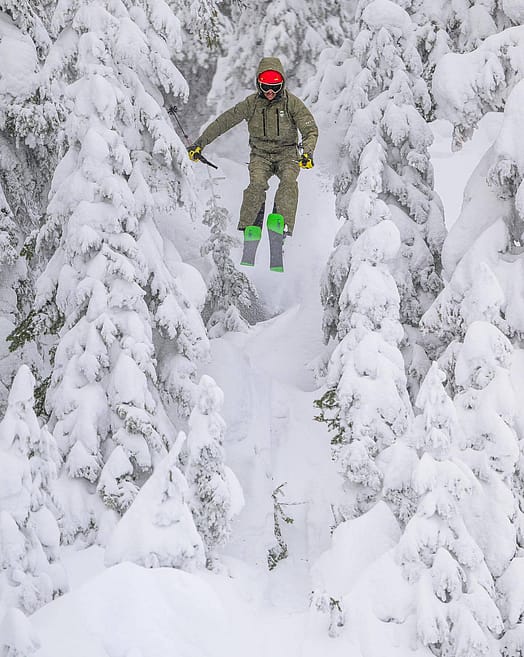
[(174, 112)]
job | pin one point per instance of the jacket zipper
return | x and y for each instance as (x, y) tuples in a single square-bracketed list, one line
[(278, 123), (264, 120)]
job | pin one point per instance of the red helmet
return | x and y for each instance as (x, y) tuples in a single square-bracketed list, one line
[(270, 77)]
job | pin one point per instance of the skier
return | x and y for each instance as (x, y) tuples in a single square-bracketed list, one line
[(274, 116)]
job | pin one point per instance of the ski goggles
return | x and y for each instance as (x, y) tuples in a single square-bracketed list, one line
[(270, 87)]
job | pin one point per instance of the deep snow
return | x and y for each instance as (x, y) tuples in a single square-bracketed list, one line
[(271, 440)]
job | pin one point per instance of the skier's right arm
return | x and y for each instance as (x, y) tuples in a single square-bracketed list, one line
[(229, 119)]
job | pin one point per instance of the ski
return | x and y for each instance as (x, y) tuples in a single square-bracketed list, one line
[(275, 227), (252, 236)]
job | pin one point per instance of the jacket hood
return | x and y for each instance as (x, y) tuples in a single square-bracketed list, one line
[(270, 64)]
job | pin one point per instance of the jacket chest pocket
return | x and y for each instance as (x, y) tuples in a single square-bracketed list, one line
[(285, 127), (272, 123), (257, 124)]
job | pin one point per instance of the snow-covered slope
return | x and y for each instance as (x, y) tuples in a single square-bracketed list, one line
[(271, 441)]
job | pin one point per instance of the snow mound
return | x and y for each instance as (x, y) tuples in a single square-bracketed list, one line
[(135, 612), (356, 544)]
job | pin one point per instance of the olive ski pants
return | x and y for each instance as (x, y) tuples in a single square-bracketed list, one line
[(284, 165)]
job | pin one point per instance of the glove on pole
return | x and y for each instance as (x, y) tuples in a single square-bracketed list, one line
[(305, 162), (194, 151)]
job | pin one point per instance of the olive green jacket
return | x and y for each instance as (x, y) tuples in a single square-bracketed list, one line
[(272, 125)]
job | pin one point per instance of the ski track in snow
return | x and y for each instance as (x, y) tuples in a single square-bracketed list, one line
[(272, 438)]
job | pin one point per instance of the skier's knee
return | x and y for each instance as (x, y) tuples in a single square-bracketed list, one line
[(289, 181), (258, 185)]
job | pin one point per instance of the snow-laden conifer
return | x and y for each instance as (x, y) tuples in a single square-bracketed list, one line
[(366, 403), (201, 19), (215, 495), (480, 283), (30, 570), (158, 528), (8, 274), (31, 18), (487, 77), (486, 408), (474, 293), (231, 297), (453, 589), (386, 139), (459, 26), (511, 603), (203, 29), (131, 334), (17, 635), (27, 119)]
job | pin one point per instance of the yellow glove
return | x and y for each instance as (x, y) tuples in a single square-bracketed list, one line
[(306, 162), (194, 153)]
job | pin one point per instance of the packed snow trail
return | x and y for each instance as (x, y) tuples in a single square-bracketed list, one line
[(272, 440), (272, 437)]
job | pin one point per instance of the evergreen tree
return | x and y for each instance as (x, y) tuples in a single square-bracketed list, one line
[(509, 586), (9, 276), (453, 590), (214, 489), (459, 26), (366, 403), (27, 119), (491, 74), (486, 408), (17, 636), (387, 139), (473, 294), (32, 19), (30, 570), (479, 286), (158, 529), (231, 297), (131, 338), (203, 28)]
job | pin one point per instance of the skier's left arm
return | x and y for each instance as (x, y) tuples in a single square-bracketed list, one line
[(306, 125)]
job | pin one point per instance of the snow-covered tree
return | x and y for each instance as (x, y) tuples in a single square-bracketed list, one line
[(366, 403), (474, 293), (8, 273), (215, 494), (488, 412), (486, 408), (453, 590), (30, 570), (458, 26), (158, 528), (17, 635), (27, 120), (489, 75), (204, 26), (511, 603), (387, 140), (475, 253), (131, 337), (201, 19), (31, 18), (231, 297)]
